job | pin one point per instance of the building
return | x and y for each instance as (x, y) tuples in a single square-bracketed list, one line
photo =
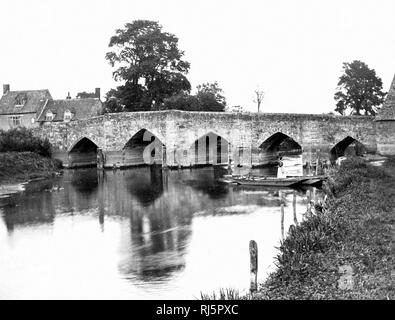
[(21, 108), (70, 109), (32, 108)]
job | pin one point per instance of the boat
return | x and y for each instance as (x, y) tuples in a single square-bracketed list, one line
[(272, 181), (312, 180), (262, 181)]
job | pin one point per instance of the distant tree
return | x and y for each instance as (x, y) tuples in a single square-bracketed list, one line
[(149, 63), (182, 101), (259, 94), (210, 97), (84, 95), (112, 103), (359, 90)]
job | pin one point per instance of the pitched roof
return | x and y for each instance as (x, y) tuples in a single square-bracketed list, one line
[(387, 112), (26, 101), (80, 108)]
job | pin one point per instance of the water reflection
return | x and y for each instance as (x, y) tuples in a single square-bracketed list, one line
[(145, 233)]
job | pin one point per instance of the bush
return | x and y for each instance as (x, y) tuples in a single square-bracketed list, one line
[(23, 140), (25, 165)]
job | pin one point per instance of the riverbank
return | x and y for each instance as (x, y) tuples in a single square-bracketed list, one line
[(344, 250), (17, 168)]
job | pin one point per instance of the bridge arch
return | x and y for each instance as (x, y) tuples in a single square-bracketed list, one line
[(347, 146), (278, 144), (280, 141), (143, 148), (83, 153), (209, 149)]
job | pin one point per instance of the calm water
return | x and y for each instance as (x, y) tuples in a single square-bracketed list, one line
[(138, 234)]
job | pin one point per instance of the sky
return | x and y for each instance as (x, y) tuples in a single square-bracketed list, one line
[(291, 50)]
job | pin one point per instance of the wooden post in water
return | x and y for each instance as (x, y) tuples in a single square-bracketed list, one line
[(294, 208), (164, 157), (280, 194), (100, 159), (282, 221), (230, 159), (253, 266)]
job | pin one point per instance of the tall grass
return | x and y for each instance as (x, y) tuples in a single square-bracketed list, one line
[(24, 166), (226, 294)]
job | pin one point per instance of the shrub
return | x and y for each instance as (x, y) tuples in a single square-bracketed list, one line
[(23, 140), (24, 166)]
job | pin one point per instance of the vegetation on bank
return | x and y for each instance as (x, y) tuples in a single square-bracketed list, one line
[(23, 166), (23, 140), (353, 230), (24, 156)]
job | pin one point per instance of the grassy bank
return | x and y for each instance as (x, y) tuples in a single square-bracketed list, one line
[(23, 166), (352, 233)]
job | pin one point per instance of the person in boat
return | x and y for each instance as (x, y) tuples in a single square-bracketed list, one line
[(280, 168)]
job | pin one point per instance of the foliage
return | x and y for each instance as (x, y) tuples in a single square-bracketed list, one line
[(359, 90), (22, 140), (209, 97), (25, 165), (84, 95), (150, 64), (112, 103), (182, 101)]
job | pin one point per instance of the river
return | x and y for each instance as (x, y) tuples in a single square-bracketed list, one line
[(139, 234)]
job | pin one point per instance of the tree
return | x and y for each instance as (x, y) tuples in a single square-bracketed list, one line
[(359, 90), (84, 95), (149, 63), (112, 103), (209, 97), (259, 98), (182, 101)]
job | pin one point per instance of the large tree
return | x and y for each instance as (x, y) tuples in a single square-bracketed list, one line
[(149, 63), (359, 90)]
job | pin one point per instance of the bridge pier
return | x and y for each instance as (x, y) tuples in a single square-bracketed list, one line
[(100, 159)]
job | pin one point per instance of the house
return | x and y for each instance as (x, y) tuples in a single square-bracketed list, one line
[(70, 109), (21, 108), (32, 108)]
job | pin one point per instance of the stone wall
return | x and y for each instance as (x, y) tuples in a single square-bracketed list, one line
[(386, 137)]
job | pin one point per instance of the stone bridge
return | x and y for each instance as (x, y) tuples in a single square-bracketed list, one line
[(183, 139)]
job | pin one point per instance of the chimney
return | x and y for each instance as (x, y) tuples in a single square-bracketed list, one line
[(97, 93), (68, 96), (6, 88)]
